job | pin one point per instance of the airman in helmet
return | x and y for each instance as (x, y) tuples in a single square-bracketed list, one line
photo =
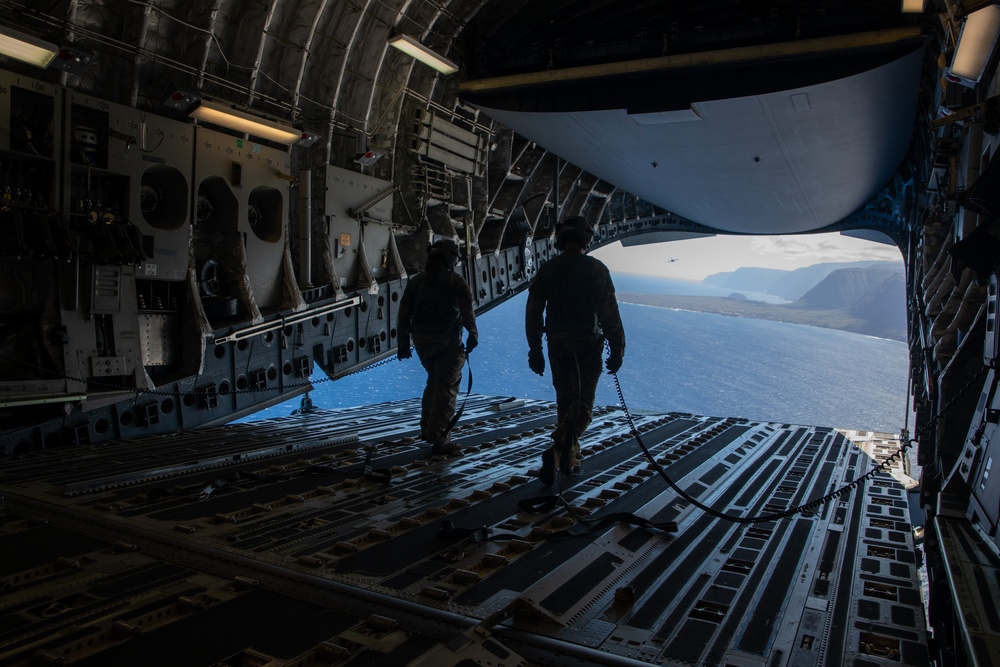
[(436, 305), (572, 301)]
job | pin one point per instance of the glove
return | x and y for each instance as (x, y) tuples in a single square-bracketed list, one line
[(536, 360), (404, 351), (471, 343), (613, 363)]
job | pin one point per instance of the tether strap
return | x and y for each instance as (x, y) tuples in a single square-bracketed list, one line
[(458, 414), (383, 475), (540, 504)]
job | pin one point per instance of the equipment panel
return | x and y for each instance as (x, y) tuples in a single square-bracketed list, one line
[(36, 242), (359, 210), (241, 217)]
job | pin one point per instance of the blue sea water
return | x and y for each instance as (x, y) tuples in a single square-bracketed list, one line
[(640, 284), (678, 361)]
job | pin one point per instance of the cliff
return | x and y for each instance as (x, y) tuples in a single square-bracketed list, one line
[(870, 301)]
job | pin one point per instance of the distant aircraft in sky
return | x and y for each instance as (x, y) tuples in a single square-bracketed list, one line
[(672, 259)]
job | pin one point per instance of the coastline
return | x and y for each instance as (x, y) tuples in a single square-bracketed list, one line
[(758, 310)]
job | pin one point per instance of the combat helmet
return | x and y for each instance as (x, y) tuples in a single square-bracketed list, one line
[(444, 251), (573, 229)]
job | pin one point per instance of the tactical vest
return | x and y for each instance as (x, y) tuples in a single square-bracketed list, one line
[(569, 291), (434, 309)]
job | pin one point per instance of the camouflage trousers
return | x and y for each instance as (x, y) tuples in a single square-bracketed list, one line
[(575, 364), (443, 358)]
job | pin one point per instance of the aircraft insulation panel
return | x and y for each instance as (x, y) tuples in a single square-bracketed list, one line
[(334, 537)]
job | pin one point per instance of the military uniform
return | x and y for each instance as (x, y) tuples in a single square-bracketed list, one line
[(435, 306), (575, 294)]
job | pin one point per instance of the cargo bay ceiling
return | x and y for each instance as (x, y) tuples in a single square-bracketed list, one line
[(741, 116)]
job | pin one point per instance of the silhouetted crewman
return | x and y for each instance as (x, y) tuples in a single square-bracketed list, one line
[(575, 293), (436, 304)]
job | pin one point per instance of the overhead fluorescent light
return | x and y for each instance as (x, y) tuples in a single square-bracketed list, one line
[(975, 45), (220, 114), (26, 48), (913, 6), (415, 49)]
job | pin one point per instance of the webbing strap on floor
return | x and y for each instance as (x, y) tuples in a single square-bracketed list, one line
[(540, 504), (458, 414), (382, 475)]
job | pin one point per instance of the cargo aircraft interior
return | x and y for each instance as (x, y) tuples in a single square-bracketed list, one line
[(209, 207)]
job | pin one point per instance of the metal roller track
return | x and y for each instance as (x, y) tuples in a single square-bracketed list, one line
[(335, 537)]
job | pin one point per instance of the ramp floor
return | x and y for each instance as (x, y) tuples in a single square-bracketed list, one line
[(335, 538)]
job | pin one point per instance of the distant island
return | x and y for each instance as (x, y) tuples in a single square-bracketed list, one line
[(861, 297)]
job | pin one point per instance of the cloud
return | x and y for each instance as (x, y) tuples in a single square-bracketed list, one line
[(694, 259), (822, 248)]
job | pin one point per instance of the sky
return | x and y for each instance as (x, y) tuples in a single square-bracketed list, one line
[(695, 259)]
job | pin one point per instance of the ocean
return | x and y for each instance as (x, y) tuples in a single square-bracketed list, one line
[(677, 361)]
